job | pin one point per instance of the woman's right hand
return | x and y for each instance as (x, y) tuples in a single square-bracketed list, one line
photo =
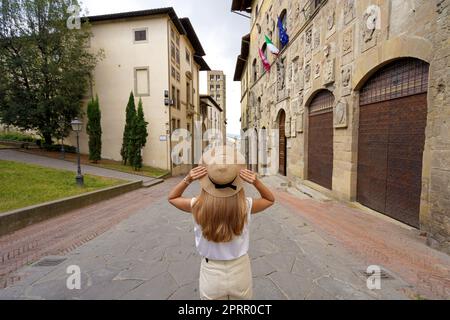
[(248, 176), (197, 173)]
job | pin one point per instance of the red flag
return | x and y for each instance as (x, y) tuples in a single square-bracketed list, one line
[(264, 60)]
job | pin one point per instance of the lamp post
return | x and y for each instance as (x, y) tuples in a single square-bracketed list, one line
[(61, 125), (77, 126)]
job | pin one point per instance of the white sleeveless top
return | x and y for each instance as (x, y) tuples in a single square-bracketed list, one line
[(226, 251)]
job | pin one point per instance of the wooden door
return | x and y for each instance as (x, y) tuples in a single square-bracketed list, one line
[(393, 117), (320, 140), (282, 144)]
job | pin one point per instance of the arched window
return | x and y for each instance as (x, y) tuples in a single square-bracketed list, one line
[(283, 18), (255, 71), (264, 51)]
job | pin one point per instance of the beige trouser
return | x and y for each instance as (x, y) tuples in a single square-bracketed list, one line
[(226, 280)]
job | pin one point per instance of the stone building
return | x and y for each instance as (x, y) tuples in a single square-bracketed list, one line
[(217, 89), (212, 119), (158, 56), (359, 98)]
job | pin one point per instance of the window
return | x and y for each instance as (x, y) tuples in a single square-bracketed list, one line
[(178, 76), (140, 35), (218, 86), (283, 17), (177, 56), (174, 125), (264, 51), (174, 74), (211, 78), (177, 39), (174, 96), (218, 78), (189, 127), (188, 94), (178, 100), (172, 50), (188, 57), (142, 81), (178, 124), (211, 87), (255, 71)]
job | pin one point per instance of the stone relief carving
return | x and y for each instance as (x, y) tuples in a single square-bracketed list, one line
[(317, 70), (281, 75), (346, 74), (340, 114), (327, 50), (330, 20), (347, 42), (349, 11), (293, 126), (288, 127), (329, 71), (299, 124), (370, 23), (308, 74), (308, 40), (316, 40)]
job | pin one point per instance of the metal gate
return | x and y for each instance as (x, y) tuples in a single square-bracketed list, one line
[(282, 144), (320, 139), (393, 116)]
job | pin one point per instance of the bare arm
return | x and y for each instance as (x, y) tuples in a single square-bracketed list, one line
[(176, 195), (267, 199)]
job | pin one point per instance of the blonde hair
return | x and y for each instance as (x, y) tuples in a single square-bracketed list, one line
[(221, 219)]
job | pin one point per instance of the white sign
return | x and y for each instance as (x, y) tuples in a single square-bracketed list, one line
[(162, 138)]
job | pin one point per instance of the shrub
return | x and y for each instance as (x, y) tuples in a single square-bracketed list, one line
[(57, 148), (16, 136)]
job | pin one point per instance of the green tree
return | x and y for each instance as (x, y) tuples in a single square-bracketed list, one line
[(139, 134), (129, 123), (45, 65), (94, 130)]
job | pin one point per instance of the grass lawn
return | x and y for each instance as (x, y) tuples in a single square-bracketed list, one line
[(23, 185), (145, 171)]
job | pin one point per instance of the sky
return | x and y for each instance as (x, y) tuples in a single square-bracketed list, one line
[(220, 31)]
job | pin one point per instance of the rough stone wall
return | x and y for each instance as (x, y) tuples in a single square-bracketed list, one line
[(332, 48), (435, 204)]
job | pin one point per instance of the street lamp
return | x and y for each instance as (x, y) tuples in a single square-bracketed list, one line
[(77, 126)]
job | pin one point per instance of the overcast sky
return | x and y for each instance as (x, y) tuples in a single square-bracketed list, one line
[(219, 30)]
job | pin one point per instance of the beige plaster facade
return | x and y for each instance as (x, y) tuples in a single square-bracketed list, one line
[(331, 47), (164, 65)]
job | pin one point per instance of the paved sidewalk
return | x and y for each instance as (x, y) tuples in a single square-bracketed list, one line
[(151, 255), (12, 155)]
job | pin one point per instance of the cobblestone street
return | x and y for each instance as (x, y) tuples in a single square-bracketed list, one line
[(301, 248)]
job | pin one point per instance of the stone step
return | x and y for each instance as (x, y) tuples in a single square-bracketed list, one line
[(151, 183)]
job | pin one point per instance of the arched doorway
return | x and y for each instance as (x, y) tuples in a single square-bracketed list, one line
[(320, 139), (282, 143), (393, 116)]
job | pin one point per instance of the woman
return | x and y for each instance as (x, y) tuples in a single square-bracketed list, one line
[(222, 215)]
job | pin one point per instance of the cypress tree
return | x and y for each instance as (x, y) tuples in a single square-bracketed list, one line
[(94, 130), (140, 135), (130, 117)]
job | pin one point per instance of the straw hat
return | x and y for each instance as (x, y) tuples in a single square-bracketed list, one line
[(224, 165)]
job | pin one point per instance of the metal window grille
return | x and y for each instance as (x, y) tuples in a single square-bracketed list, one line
[(402, 78), (323, 102)]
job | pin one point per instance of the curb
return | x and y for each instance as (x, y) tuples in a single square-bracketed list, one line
[(17, 219)]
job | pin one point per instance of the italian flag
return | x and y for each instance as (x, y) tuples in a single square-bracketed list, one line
[(271, 46)]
